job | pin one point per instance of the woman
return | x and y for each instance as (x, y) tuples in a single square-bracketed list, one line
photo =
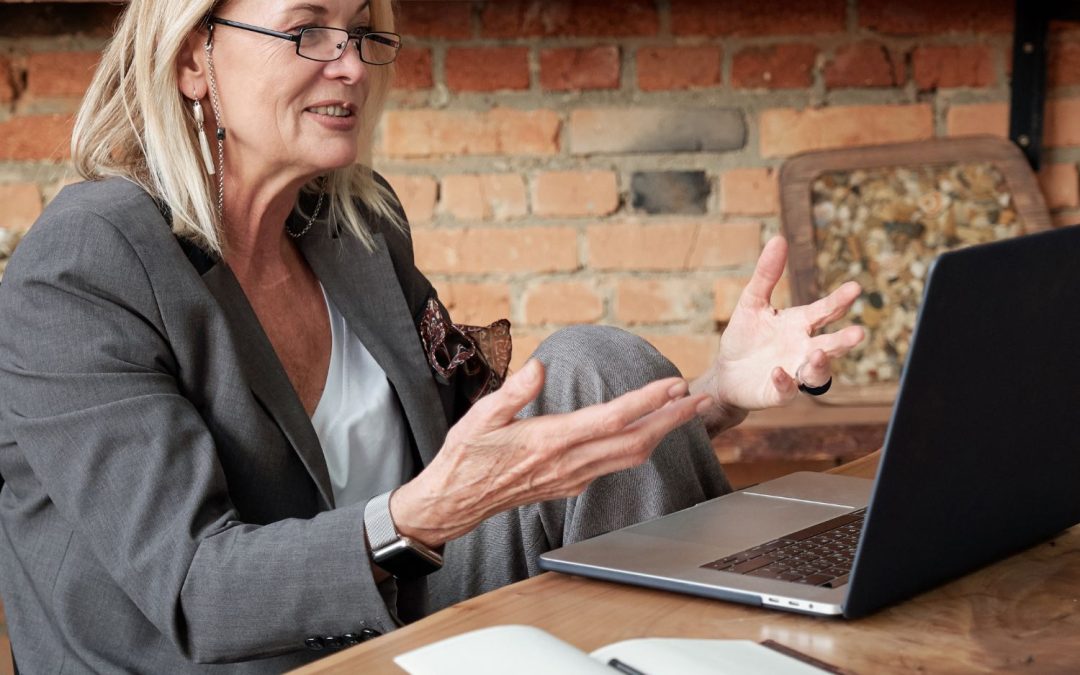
[(223, 439)]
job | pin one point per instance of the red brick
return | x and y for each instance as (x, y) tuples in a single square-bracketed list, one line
[(53, 19), (21, 205), (412, 70), (750, 192), (918, 17), (575, 69), (763, 17), (864, 64), (661, 246), (502, 131), (1063, 63), (952, 66), (525, 343), (558, 18), (1062, 122), (691, 354), (1065, 29), (487, 68), (59, 74), (493, 196), (41, 137), (476, 304), (434, 19), (1060, 186), (575, 193), (785, 131), (484, 250), (726, 245), (562, 302), (978, 118), (417, 195), (678, 67), (778, 67), (7, 83), (639, 301)]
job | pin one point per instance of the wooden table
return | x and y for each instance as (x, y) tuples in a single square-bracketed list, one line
[(1020, 614)]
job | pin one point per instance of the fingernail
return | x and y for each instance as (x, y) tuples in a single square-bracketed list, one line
[(678, 390), (705, 406)]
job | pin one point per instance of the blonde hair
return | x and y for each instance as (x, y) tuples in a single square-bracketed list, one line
[(134, 123)]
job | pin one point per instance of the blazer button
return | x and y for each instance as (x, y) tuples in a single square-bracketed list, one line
[(332, 642), (315, 644), (368, 633), (351, 639)]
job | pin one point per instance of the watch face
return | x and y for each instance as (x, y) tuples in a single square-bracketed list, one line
[(406, 559)]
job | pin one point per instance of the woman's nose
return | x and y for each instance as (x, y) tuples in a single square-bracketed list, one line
[(349, 65)]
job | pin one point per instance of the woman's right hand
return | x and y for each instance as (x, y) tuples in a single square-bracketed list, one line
[(491, 462)]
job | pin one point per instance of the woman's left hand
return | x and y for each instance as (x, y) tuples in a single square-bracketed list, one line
[(763, 350)]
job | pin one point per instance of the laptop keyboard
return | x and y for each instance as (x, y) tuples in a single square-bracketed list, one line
[(820, 555)]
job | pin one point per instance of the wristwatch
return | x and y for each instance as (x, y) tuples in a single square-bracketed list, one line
[(402, 557)]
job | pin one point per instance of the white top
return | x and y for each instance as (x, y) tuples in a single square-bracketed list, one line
[(359, 421)]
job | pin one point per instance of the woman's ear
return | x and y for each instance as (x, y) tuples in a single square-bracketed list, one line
[(191, 66)]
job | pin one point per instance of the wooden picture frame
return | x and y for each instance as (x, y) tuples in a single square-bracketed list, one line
[(800, 173)]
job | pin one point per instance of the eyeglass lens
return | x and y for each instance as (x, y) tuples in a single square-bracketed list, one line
[(328, 44)]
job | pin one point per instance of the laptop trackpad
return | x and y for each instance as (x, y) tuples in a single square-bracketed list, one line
[(739, 520)]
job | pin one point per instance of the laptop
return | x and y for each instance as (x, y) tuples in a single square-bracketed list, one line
[(981, 460)]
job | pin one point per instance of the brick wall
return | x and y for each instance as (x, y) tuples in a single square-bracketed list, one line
[(593, 161)]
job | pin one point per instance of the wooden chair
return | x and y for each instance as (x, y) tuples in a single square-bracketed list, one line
[(880, 215)]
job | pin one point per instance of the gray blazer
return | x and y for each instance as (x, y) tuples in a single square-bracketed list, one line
[(167, 503)]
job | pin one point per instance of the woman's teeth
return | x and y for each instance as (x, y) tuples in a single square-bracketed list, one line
[(331, 110)]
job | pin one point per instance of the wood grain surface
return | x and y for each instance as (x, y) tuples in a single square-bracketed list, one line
[(1019, 615)]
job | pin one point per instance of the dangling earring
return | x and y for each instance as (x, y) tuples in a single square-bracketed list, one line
[(220, 134), (204, 144)]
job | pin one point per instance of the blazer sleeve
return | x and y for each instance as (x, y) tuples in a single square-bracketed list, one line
[(90, 397)]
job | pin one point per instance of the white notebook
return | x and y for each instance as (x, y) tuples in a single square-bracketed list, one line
[(525, 650)]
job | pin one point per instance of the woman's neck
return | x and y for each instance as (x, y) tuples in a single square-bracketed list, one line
[(257, 246)]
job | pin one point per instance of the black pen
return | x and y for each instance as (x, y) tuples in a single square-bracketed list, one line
[(805, 658), (623, 668)]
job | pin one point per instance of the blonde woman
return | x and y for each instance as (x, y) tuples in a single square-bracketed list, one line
[(236, 425)]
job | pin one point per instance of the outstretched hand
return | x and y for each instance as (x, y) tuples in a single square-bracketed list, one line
[(765, 353), (492, 461)]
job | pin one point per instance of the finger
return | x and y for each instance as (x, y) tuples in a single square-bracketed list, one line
[(498, 409), (785, 384), (832, 306), (612, 417), (839, 343), (767, 272), (634, 444), (815, 372)]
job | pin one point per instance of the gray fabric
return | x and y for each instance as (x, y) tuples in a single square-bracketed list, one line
[(166, 499), (166, 505), (584, 365)]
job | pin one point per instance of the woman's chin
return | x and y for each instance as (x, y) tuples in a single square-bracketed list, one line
[(335, 160)]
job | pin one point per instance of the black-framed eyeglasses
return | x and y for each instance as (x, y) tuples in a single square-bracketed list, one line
[(322, 43)]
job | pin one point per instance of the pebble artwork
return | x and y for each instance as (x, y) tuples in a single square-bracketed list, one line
[(882, 227)]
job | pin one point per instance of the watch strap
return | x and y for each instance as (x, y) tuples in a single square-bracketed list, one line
[(378, 522)]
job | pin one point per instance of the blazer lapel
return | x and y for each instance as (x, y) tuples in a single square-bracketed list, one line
[(267, 378), (365, 288)]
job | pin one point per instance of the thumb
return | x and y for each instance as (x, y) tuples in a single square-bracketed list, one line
[(498, 408)]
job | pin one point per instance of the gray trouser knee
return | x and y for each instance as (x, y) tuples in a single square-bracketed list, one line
[(585, 365)]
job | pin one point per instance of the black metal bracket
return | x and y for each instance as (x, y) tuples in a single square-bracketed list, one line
[(1028, 96)]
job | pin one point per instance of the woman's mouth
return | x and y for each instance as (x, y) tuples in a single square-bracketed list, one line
[(333, 116), (330, 110)]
